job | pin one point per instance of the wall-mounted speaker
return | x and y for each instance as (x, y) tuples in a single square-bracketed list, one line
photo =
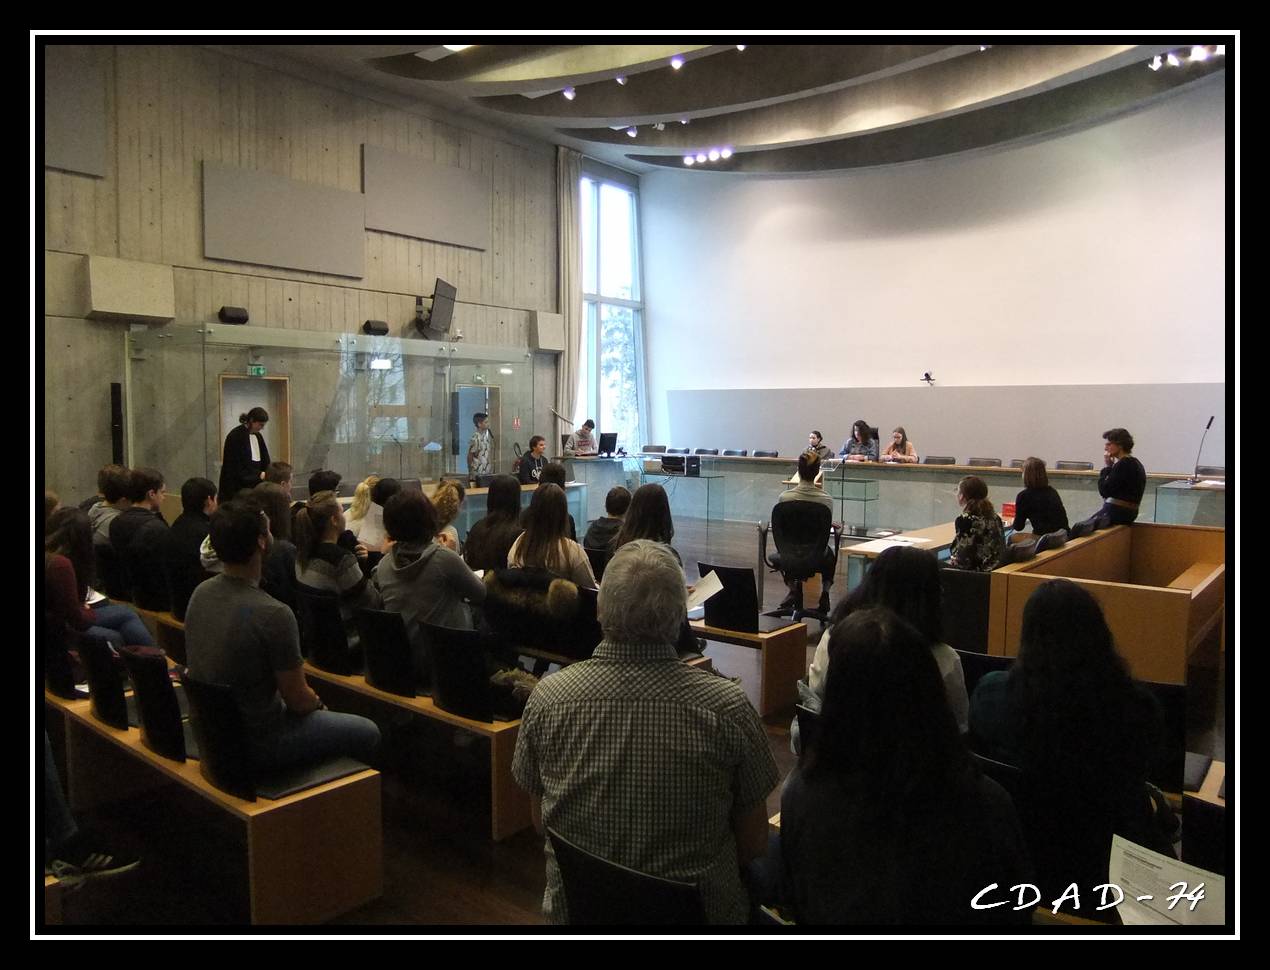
[(376, 328), (232, 314)]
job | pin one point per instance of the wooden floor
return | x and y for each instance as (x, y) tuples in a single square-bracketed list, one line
[(440, 867)]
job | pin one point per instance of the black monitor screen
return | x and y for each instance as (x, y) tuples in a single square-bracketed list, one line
[(608, 442), (443, 297)]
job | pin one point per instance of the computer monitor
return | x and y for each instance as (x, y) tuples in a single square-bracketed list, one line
[(608, 442)]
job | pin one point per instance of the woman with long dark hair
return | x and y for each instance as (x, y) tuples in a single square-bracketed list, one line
[(886, 820), (68, 574), (545, 543), (1083, 733), (861, 446), (906, 580), (245, 457), (322, 564), (647, 517), (490, 539)]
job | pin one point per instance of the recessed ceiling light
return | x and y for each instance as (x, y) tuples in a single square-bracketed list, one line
[(725, 153), (683, 121), (505, 370), (632, 131), (689, 160), (1221, 50), (713, 155), (619, 79), (569, 94), (740, 47), (456, 47), (1172, 59), (1199, 53), (381, 363), (660, 126), (701, 156), (676, 62)]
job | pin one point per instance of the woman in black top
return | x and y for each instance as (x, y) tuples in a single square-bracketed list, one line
[(245, 456), (887, 820), (489, 540), (1038, 501)]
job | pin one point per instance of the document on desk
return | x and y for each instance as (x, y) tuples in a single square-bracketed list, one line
[(707, 586), (880, 546), (1161, 891)]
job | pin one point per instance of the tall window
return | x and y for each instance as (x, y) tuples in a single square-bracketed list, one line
[(612, 368)]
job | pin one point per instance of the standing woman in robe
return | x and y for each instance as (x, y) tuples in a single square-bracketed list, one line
[(245, 456)]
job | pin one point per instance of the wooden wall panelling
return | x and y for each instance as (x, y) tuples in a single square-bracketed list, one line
[(1162, 552), (82, 359)]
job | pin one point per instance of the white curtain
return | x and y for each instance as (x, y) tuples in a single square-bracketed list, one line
[(568, 201)]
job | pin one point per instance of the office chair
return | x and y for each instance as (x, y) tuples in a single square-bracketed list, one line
[(800, 531)]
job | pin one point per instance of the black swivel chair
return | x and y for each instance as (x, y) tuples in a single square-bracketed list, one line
[(322, 631), (767, 454), (603, 893), (1016, 462), (736, 452), (939, 460), (985, 462), (800, 531), (706, 451), (386, 649), (676, 451), (1211, 471), (654, 449), (1074, 466)]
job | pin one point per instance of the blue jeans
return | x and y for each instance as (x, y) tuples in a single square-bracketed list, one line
[(119, 625), (311, 738)]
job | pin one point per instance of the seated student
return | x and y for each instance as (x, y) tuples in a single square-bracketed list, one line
[(582, 442), (140, 537), (648, 517), (236, 634), (321, 480), (545, 543), (604, 530), (322, 565), (906, 580), (533, 461), (112, 484), (420, 578), (185, 571), (1122, 483), (491, 538), (553, 472), (1038, 502), (68, 574), (447, 499), (279, 473), (370, 529), (277, 572), (355, 514), (1084, 736), (862, 446), (900, 449), (980, 538), (806, 491), (816, 443), (887, 820)]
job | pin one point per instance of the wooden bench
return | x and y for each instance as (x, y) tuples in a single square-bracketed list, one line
[(782, 661), (509, 803), (310, 856)]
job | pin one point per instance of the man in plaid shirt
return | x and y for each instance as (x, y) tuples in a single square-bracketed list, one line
[(643, 760)]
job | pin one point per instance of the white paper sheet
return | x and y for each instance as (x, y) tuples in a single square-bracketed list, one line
[(1161, 891), (706, 587)]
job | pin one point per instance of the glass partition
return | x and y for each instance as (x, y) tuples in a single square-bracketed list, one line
[(353, 403)]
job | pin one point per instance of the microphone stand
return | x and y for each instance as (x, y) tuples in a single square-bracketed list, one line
[(1195, 477)]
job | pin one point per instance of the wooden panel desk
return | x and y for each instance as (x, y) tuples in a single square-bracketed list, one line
[(310, 856), (509, 803), (782, 661), (936, 538)]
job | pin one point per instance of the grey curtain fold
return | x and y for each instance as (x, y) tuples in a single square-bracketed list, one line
[(568, 201)]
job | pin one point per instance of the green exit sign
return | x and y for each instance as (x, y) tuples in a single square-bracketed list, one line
[(256, 370)]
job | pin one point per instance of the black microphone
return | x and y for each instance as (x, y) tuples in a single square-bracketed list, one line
[(1195, 477)]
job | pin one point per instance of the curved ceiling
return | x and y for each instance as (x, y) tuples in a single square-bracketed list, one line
[(776, 108)]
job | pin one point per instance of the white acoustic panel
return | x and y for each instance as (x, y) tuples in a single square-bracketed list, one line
[(413, 197), (546, 331), (269, 220), (74, 109), (124, 289)]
